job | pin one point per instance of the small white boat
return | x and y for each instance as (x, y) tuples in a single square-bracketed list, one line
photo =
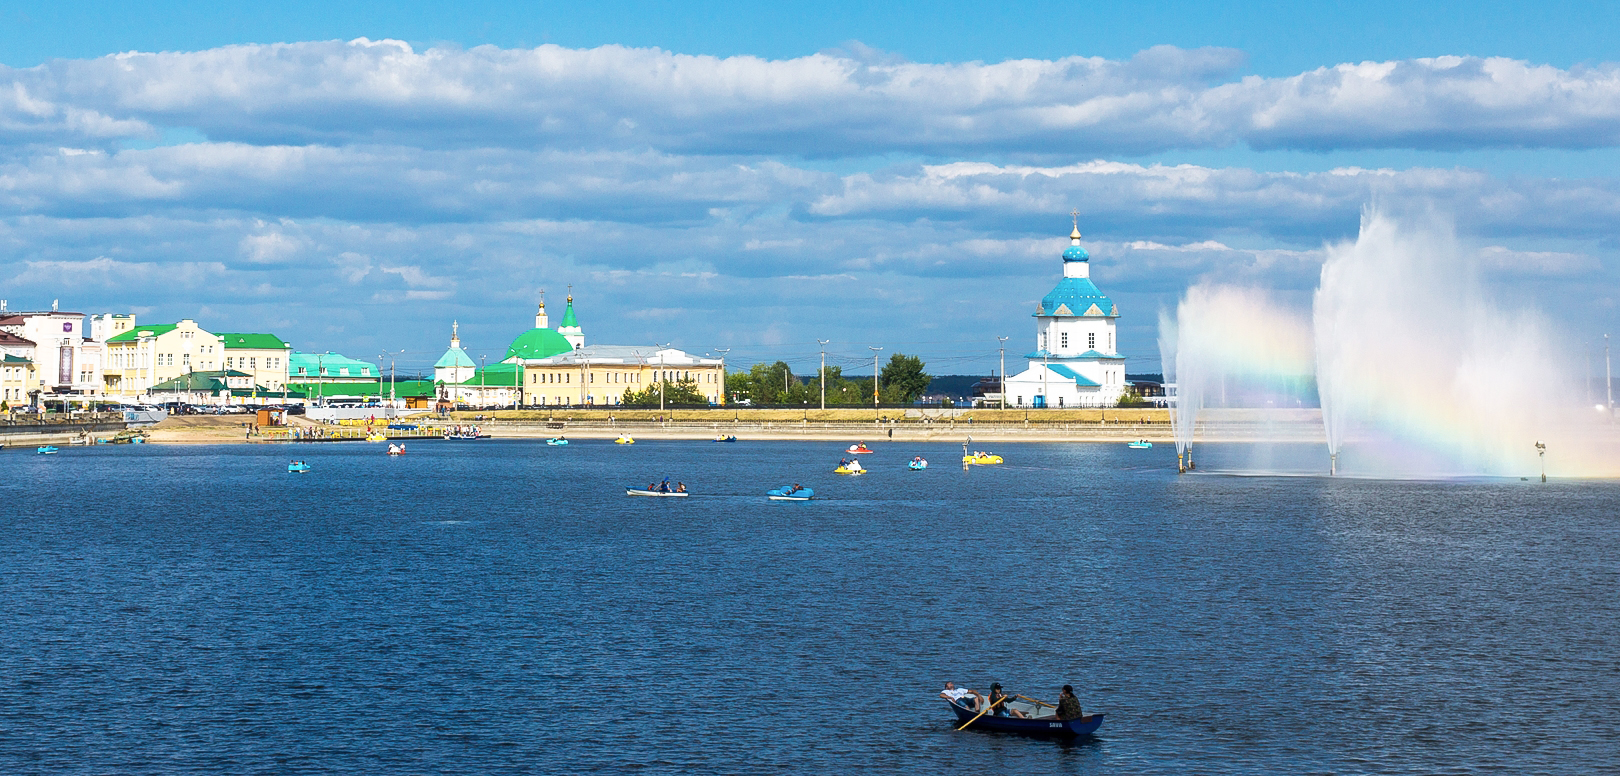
[(394, 449), (653, 493)]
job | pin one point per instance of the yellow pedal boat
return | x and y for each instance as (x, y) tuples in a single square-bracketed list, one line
[(981, 459), (624, 440)]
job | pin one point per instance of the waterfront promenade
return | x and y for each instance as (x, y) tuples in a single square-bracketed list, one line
[(987, 426)]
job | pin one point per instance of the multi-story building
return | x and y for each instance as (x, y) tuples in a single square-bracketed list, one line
[(554, 367), (66, 365), (144, 356), (17, 378), (263, 356)]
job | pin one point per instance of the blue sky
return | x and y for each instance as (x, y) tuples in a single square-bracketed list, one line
[(732, 175)]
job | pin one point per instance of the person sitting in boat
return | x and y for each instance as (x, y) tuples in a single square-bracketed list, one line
[(680, 487), (999, 701), (961, 696), (1068, 706), (843, 462)]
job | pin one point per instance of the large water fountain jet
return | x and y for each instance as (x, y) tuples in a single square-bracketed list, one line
[(1420, 372), (1233, 348)]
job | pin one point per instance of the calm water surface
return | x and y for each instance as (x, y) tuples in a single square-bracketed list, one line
[(501, 607)]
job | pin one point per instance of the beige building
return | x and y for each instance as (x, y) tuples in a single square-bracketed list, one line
[(144, 356), (598, 375), (264, 357)]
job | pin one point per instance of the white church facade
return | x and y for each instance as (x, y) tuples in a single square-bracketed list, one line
[(1075, 362)]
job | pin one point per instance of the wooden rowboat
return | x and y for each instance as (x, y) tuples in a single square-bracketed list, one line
[(653, 493), (1034, 725)]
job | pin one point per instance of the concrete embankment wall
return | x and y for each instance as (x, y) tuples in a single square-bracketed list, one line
[(1051, 425), (34, 435)]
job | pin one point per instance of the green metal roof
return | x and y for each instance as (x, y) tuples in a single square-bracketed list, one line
[(309, 364), (454, 357), (316, 390), (538, 343), (496, 375), (144, 331), (209, 382), (404, 389), (568, 315), (10, 359), (243, 340)]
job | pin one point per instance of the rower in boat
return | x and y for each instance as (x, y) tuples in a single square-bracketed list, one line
[(1023, 714)]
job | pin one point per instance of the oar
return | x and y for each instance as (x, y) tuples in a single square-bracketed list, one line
[(987, 708), (1036, 702)]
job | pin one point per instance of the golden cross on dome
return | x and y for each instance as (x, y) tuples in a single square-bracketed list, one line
[(570, 292), (1075, 214)]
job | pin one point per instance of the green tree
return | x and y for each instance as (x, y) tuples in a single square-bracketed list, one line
[(1131, 398), (903, 379), (675, 392)]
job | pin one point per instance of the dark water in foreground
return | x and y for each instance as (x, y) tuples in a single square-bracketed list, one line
[(502, 607)]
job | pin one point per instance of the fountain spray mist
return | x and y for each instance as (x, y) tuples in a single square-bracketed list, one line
[(1230, 347), (1423, 374), (1419, 373)]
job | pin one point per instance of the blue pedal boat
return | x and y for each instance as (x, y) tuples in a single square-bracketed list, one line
[(557, 442), (788, 493), (1031, 726), (47, 450), (1140, 444), (298, 467)]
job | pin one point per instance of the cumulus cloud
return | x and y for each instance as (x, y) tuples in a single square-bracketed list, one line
[(839, 102)]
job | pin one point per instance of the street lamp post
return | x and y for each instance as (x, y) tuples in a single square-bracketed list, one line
[(1003, 383), (481, 378), (823, 344), (662, 372), (874, 350), (722, 393)]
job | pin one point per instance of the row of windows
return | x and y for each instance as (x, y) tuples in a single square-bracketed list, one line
[(1091, 341), (252, 362), (623, 377), (568, 401)]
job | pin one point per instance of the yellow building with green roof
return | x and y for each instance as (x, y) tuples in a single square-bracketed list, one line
[(145, 355)]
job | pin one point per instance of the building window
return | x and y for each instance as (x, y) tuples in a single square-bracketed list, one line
[(1063, 340), (1043, 340), (253, 363), (1091, 341)]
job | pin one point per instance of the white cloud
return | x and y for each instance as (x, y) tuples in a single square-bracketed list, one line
[(830, 103)]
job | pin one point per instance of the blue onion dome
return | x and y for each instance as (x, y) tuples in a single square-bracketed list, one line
[(1075, 252)]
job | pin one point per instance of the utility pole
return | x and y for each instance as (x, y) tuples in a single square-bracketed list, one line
[(1003, 384), (874, 376), (722, 352), (661, 372), (823, 344), (481, 378), (1608, 377)]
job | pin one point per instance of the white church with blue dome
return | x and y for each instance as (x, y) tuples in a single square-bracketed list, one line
[(1075, 363)]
